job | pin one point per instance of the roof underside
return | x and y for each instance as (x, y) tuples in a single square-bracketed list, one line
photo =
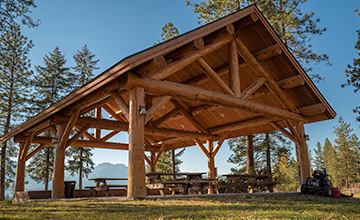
[(260, 40)]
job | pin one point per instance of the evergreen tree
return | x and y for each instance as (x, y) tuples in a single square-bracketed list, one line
[(165, 162), (285, 170), (14, 89), (53, 82), (85, 66), (265, 147), (80, 161), (293, 26), (353, 71), (346, 147), (169, 31), (13, 10), (330, 160), (319, 157)]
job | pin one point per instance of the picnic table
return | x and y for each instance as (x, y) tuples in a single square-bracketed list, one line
[(174, 185), (248, 183), (101, 185)]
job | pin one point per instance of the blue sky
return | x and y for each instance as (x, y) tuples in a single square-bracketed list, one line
[(114, 29)]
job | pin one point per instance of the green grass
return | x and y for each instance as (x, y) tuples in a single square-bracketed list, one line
[(266, 206)]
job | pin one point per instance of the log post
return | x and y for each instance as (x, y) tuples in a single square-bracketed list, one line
[(211, 163), (20, 172), (153, 164), (303, 153), (58, 187), (98, 131), (234, 77), (136, 178), (249, 155)]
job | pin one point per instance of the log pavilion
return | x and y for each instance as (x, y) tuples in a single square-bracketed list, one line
[(230, 78)]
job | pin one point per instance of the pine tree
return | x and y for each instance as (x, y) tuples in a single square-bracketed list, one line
[(293, 26), (265, 147), (319, 157), (14, 89), (165, 162), (85, 66), (346, 148), (169, 31), (330, 160), (53, 82), (13, 10), (353, 71), (79, 162), (79, 158), (285, 170)]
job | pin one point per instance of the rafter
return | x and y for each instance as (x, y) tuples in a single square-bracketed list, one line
[(214, 77), (271, 84), (190, 57), (113, 113), (191, 118), (223, 70), (156, 107), (241, 125), (173, 114), (253, 87)]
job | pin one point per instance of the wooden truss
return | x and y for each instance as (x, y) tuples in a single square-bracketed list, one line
[(160, 104)]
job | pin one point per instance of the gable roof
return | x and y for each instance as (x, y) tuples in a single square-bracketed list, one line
[(253, 30)]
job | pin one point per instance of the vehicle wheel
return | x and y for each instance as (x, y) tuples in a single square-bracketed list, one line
[(303, 189), (327, 191)]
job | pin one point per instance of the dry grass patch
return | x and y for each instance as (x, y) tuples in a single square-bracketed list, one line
[(266, 206)]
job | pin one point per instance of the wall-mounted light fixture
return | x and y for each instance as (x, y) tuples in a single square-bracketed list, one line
[(307, 138), (142, 110)]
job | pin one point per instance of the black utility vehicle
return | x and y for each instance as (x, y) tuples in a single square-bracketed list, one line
[(320, 184)]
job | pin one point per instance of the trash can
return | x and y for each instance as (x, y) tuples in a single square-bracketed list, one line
[(70, 189)]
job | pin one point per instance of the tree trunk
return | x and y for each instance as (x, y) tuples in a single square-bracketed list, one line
[(2, 176), (173, 162), (268, 155), (47, 169), (250, 155), (80, 170)]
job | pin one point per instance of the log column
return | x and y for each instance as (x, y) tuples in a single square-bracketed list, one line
[(303, 153), (20, 171), (136, 177), (211, 163), (58, 187)]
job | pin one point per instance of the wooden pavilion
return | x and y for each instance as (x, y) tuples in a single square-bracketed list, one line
[(233, 77)]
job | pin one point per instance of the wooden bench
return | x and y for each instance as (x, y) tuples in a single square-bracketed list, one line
[(105, 188), (177, 185)]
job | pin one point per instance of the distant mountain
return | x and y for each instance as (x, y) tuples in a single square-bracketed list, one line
[(101, 170)]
